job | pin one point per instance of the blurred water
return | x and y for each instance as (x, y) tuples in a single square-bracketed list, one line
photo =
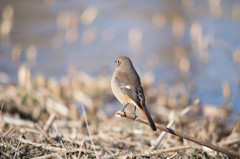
[(188, 41)]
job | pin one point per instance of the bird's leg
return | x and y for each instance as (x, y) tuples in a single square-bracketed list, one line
[(123, 110), (134, 112)]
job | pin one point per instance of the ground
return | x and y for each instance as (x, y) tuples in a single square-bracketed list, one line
[(75, 118)]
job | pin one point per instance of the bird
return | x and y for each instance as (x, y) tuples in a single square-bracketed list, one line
[(126, 86)]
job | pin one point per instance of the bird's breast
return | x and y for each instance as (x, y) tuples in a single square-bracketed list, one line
[(123, 98)]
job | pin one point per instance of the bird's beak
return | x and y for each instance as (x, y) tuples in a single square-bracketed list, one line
[(115, 61)]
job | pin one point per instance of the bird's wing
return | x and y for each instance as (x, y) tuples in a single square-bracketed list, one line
[(136, 94)]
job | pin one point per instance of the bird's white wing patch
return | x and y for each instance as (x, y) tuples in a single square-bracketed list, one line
[(127, 86)]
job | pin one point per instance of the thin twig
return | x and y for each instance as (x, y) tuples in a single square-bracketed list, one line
[(50, 148), (43, 132), (85, 116), (174, 155), (164, 143), (171, 149), (49, 122), (161, 136), (16, 150), (80, 149), (9, 132), (65, 155), (182, 135), (172, 122), (52, 155), (112, 155), (230, 141), (77, 150), (176, 148)]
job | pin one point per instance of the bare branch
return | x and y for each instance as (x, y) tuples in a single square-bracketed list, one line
[(182, 135)]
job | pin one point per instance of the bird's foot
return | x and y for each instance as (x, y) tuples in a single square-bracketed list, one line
[(135, 116), (124, 113)]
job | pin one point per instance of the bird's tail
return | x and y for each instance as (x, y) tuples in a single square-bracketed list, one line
[(149, 118)]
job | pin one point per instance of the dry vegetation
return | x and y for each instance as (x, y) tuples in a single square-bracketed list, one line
[(74, 118)]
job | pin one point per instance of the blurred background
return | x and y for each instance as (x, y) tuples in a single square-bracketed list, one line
[(194, 44)]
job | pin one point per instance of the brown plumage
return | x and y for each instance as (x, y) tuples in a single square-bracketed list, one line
[(126, 86)]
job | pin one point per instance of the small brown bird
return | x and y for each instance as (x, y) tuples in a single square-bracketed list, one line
[(126, 87)]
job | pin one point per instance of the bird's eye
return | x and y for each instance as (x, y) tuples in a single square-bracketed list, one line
[(117, 61)]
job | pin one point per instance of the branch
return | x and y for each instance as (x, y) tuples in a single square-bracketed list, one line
[(182, 135)]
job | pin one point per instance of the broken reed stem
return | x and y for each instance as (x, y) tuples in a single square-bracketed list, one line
[(182, 135), (49, 122), (161, 136)]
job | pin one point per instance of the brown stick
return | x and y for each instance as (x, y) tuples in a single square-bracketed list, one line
[(182, 135), (43, 132)]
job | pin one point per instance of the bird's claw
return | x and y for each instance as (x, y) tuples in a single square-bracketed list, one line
[(124, 113), (135, 116)]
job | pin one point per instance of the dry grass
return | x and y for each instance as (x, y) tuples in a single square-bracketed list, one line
[(45, 119)]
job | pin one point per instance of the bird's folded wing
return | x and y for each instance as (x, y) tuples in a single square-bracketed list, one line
[(137, 95)]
